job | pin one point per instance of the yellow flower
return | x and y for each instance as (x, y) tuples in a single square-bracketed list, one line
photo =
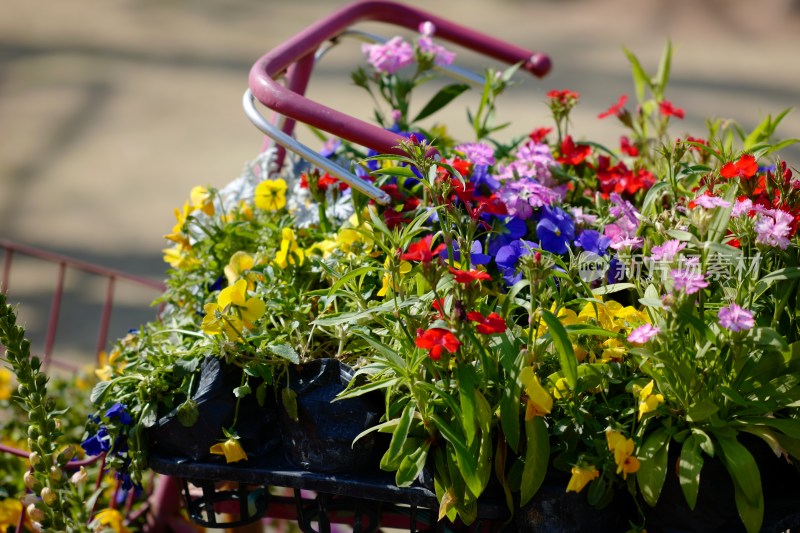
[(623, 453), (237, 267), (10, 509), (245, 211), (6, 384), (581, 476), (539, 401), (403, 269), (110, 519), (107, 364), (271, 195), (202, 200), (177, 230), (180, 257), (290, 252), (232, 312), (231, 449), (561, 389), (613, 350), (647, 400)]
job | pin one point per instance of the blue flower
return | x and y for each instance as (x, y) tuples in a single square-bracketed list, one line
[(508, 256), (480, 176), (555, 230), (476, 255), (593, 241), (505, 232), (118, 411), (98, 443)]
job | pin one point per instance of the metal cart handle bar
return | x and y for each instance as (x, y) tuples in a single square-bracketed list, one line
[(297, 54)]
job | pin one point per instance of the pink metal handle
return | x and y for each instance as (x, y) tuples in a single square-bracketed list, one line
[(291, 104)]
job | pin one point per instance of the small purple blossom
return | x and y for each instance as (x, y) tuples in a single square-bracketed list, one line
[(643, 334), (477, 153), (118, 411), (710, 202), (390, 56), (427, 28), (741, 207), (773, 228), (98, 443), (582, 219), (735, 318), (628, 243), (476, 255), (688, 281), (533, 160), (441, 55), (506, 230), (555, 230), (523, 195), (626, 213), (667, 251), (508, 256)]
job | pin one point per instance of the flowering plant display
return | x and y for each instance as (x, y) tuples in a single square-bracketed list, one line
[(529, 306)]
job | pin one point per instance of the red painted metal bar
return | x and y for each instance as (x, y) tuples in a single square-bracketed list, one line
[(298, 77), (283, 100), (55, 309), (105, 318)]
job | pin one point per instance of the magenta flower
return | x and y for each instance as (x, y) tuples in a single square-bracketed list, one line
[(441, 56), (477, 153), (735, 318), (522, 196), (643, 334), (390, 56), (533, 160), (688, 281), (627, 243), (773, 228), (667, 251), (741, 207)]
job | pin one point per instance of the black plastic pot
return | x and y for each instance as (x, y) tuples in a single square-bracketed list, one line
[(216, 405), (321, 439)]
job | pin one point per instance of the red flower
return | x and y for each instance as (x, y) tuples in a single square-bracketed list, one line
[(571, 153), (394, 218), (563, 97), (435, 340), (668, 110), (745, 167), (487, 325), (468, 276), (627, 148), (421, 250), (539, 134), (615, 109), (438, 305)]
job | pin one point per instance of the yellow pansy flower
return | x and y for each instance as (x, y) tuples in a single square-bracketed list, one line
[(180, 257), (231, 449), (10, 509), (539, 400), (270, 195), (622, 448), (239, 266), (245, 211), (324, 247), (581, 476), (232, 312), (6, 383), (202, 200), (386, 283), (561, 388), (110, 519), (647, 400), (107, 364), (613, 350), (290, 252), (177, 230)]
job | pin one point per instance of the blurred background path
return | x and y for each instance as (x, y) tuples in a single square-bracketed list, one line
[(111, 111)]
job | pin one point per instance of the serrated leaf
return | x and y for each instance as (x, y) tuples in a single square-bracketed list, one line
[(99, 392), (188, 413), (285, 351)]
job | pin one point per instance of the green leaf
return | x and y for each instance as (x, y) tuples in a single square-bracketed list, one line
[(566, 355), (289, 401), (681, 235), (285, 351), (241, 392), (403, 172), (689, 467), (537, 457), (411, 465), (99, 392), (741, 465), (653, 465), (442, 98), (149, 416), (662, 77), (699, 411), (394, 454), (654, 195), (188, 413), (466, 460), (640, 77), (722, 215), (467, 387), (614, 287), (752, 515)]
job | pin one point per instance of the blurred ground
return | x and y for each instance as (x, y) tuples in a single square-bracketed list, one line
[(112, 111)]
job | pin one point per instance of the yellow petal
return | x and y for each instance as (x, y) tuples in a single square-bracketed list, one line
[(581, 476), (233, 295), (539, 400), (231, 449)]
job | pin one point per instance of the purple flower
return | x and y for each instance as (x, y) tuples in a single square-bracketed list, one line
[(555, 230), (710, 202), (523, 195), (441, 55), (628, 243), (98, 443), (533, 160), (592, 241), (118, 411), (477, 153), (476, 255), (741, 207), (506, 231), (390, 56), (688, 281), (667, 251), (508, 256), (735, 318), (624, 211), (580, 218), (773, 228), (643, 334)]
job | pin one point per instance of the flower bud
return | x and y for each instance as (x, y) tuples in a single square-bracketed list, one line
[(22, 389), (49, 496), (58, 424), (55, 473), (35, 514), (35, 458), (33, 431), (42, 441), (30, 480), (79, 477), (65, 455)]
